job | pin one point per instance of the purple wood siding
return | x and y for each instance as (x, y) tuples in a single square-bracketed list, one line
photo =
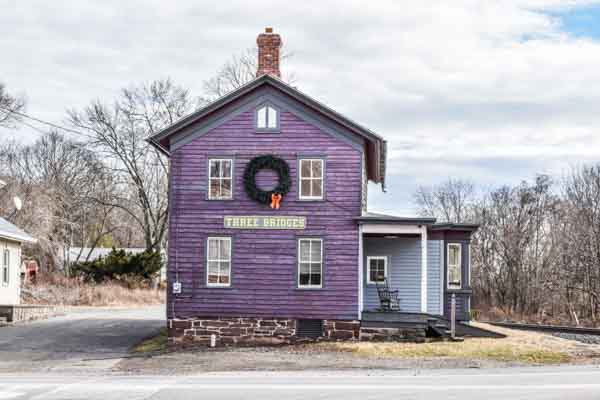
[(264, 262)]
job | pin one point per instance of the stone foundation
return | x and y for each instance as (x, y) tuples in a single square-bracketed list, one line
[(240, 331), (396, 334), (341, 330), (232, 331)]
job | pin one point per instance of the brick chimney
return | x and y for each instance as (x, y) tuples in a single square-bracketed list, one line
[(268, 53)]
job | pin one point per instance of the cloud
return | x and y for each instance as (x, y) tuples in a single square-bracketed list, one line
[(493, 91)]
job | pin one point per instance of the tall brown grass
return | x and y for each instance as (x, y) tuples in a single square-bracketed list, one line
[(57, 289)]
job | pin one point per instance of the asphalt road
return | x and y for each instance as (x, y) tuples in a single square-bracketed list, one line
[(529, 383), (87, 338)]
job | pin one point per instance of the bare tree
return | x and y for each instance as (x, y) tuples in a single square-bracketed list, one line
[(57, 178), (119, 131), (580, 266), (450, 201), (516, 223), (10, 107), (236, 72)]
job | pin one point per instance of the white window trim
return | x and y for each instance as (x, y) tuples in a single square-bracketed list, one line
[(310, 286), (6, 266), (267, 107), (449, 285), (300, 196), (218, 260), (385, 268), (210, 161)]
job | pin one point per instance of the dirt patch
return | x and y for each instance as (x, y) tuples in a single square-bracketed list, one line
[(518, 349), (546, 341)]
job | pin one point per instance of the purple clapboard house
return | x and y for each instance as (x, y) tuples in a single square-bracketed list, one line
[(270, 239)]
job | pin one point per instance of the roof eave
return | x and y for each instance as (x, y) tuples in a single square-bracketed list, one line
[(158, 146), (395, 220), (455, 227), (17, 238)]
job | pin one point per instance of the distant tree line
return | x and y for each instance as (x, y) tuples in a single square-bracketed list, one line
[(536, 254)]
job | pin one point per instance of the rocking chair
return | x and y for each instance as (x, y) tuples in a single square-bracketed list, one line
[(388, 298)]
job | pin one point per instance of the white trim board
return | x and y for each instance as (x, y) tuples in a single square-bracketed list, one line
[(393, 229), (424, 277)]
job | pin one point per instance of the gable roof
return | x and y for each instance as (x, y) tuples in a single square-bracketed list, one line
[(376, 146), (11, 232)]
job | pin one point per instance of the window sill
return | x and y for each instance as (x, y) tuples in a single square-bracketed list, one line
[(266, 131), (312, 200), (217, 287), (227, 199), (309, 288)]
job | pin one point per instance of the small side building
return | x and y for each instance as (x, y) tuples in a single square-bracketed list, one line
[(11, 239)]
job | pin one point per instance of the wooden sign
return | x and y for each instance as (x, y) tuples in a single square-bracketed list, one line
[(263, 222)]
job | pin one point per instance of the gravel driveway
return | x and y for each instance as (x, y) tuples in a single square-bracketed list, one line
[(84, 339)]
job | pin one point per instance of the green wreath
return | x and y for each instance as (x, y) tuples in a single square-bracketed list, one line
[(270, 162)]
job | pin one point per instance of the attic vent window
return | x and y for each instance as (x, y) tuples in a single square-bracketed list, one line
[(267, 118)]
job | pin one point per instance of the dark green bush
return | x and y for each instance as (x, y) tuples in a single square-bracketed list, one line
[(120, 265)]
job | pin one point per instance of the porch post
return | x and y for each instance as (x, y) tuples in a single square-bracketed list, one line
[(360, 271), (423, 268)]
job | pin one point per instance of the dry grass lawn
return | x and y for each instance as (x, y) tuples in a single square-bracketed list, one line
[(59, 290), (518, 346)]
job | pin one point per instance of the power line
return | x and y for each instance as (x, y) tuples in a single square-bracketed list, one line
[(43, 122)]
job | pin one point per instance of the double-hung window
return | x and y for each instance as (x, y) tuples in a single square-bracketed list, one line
[(310, 263), (311, 179), (454, 266), (219, 179), (267, 118), (6, 267), (218, 262), (376, 270)]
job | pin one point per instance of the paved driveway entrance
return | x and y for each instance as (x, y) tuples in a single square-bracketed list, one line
[(86, 338)]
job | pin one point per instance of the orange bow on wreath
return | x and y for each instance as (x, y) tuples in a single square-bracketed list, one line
[(276, 200)]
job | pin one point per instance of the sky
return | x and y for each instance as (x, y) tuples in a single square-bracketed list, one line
[(490, 91)]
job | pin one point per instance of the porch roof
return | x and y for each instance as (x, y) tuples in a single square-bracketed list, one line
[(377, 218), (446, 226)]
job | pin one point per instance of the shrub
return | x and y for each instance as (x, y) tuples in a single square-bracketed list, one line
[(119, 265)]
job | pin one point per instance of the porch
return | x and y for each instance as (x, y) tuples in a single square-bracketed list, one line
[(429, 325), (398, 251)]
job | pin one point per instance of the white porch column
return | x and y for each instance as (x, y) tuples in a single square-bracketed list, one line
[(423, 268), (360, 272)]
